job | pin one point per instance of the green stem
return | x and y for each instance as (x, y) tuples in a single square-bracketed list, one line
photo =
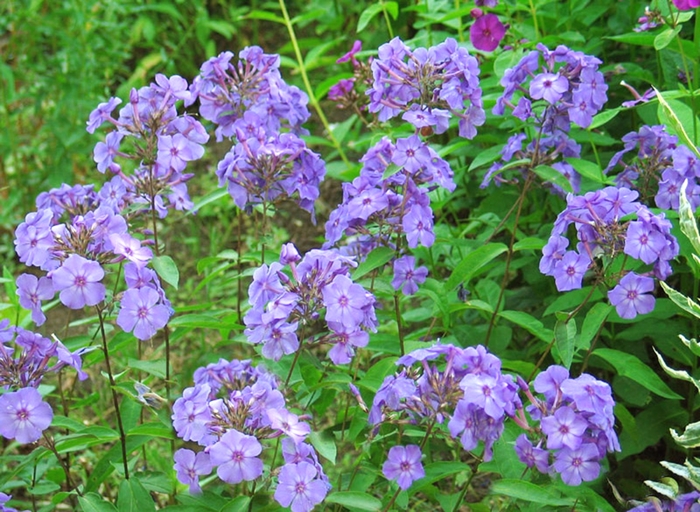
[(691, 86), (309, 90), (460, 31), (386, 19), (533, 12)]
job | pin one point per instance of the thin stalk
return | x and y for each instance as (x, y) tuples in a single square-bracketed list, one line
[(463, 493), (307, 84), (398, 322), (66, 470), (460, 31), (296, 358), (115, 398), (386, 19), (533, 12)]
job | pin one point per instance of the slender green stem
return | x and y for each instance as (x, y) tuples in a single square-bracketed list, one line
[(463, 493), (296, 358), (66, 469), (691, 86), (533, 13), (460, 30), (115, 398), (307, 84), (386, 19)]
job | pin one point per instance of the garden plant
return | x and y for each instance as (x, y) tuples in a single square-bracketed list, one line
[(350, 256)]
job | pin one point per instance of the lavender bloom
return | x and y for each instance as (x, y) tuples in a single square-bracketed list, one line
[(344, 301), (406, 276), (24, 415), (564, 428), (289, 424), (530, 455), (569, 271), (579, 465), (191, 414), (190, 466), (102, 113), (130, 248), (403, 465), (142, 313), (631, 296), (236, 457), (299, 488), (32, 291), (78, 281)]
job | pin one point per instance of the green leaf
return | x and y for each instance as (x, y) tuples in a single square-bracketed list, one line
[(551, 175), (529, 323), (587, 169), (473, 262), (152, 429), (565, 340), (93, 502), (155, 368), (264, 15), (324, 444), (203, 321), (355, 500), (529, 243), (367, 15), (377, 258), (133, 497), (488, 155), (667, 113), (602, 118), (689, 226), (630, 366), (690, 437), (527, 491), (392, 8), (663, 39), (239, 504), (676, 374), (683, 302), (167, 270), (591, 324)]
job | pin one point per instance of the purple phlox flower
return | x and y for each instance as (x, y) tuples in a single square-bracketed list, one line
[(106, 151), (485, 392), (191, 414), (236, 457), (406, 276), (411, 153), (289, 254), (72, 359), (564, 428), (403, 465), (102, 113), (289, 424), (281, 340), (686, 5), (266, 284), (569, 271), (548, 86), (578, 465), (369, 201), (142, 312), (356, 48), (175, 151), (34, 238), (130, 247), (174, 85), (24, 415), (549, 383), (530, 455), (468, 121), (582, 109), (190, 466), (644, 242), (31, 291), (631, 296), (78, 281), (648, 95), (344, 301), (588, 393), (299, 487), (393, 390), (552, 253), (486, 32), (345, 340), (418, 226)]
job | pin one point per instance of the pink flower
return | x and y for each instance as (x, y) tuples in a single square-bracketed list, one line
[(486, 32), (686, 5)]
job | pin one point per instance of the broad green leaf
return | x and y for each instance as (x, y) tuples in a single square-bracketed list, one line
[(587, 169), (676, 374), (264, 15), (670, 491), (529, 323), (324, 444), (436, 471), (239, 504), (392, 8), (155, 367), (355, 500), (167, 270), (203, 321), (565, 341), (690, 437), (473, 262), (591, 324), (553, 176), (153, 430), (602, 118), (529, 243), (133, 497), (678, 469), (630, 366), (527, 491), (488, 155), (667, 112), (377, 258), (665, 37), (367, 15), (93, 502)]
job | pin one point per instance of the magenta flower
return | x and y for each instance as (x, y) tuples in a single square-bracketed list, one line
[(686, 5), (236, 456), (350, 56), (141, 312), (78, 280), (299, 488), (24, 415), (403, 465), (486, 32)]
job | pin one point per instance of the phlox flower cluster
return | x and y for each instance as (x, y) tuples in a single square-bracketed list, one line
[(379, 208), (689, 502), (162, 143), (72, 236), (231, 410), (604, 232), (320, 283), (462, 387), (265, 169), (427, 86), (228, 91), (25, 357), (568, 83), (575, 426), (659, 168), (547, 150)]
